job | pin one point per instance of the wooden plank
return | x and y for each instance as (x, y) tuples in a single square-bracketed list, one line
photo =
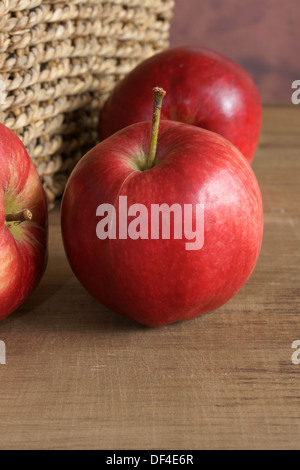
[(79, 376)]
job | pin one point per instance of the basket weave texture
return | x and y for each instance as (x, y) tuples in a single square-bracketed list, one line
[(58, 63)]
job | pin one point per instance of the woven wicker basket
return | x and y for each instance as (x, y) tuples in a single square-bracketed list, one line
[(59, 60)]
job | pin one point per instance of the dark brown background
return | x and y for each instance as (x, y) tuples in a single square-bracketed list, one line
[(261, 35)]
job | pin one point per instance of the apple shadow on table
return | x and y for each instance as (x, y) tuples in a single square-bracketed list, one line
[(41, 295), (62, 304)]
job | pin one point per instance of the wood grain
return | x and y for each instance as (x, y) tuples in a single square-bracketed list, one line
[(80, 377)]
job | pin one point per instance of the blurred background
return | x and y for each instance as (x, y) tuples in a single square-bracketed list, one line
[(262, 36)]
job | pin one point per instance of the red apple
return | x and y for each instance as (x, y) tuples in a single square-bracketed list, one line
[(204, 88), (23, 224), (156, 280)]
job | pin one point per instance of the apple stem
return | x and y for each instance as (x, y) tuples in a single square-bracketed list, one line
[(158, 96), (19, 217)]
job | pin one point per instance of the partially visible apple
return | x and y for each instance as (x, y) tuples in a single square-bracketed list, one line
[(204, 88), (130, 265), (23, 224)]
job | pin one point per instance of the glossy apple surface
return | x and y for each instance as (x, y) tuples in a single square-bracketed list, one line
[(203, 87), (23, 245), (158, 281)]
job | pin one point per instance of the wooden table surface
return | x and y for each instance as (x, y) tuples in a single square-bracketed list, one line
[(80, 377)]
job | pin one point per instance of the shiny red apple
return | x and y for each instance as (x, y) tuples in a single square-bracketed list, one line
[(152, 270), (23, 224), (204, 88)]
